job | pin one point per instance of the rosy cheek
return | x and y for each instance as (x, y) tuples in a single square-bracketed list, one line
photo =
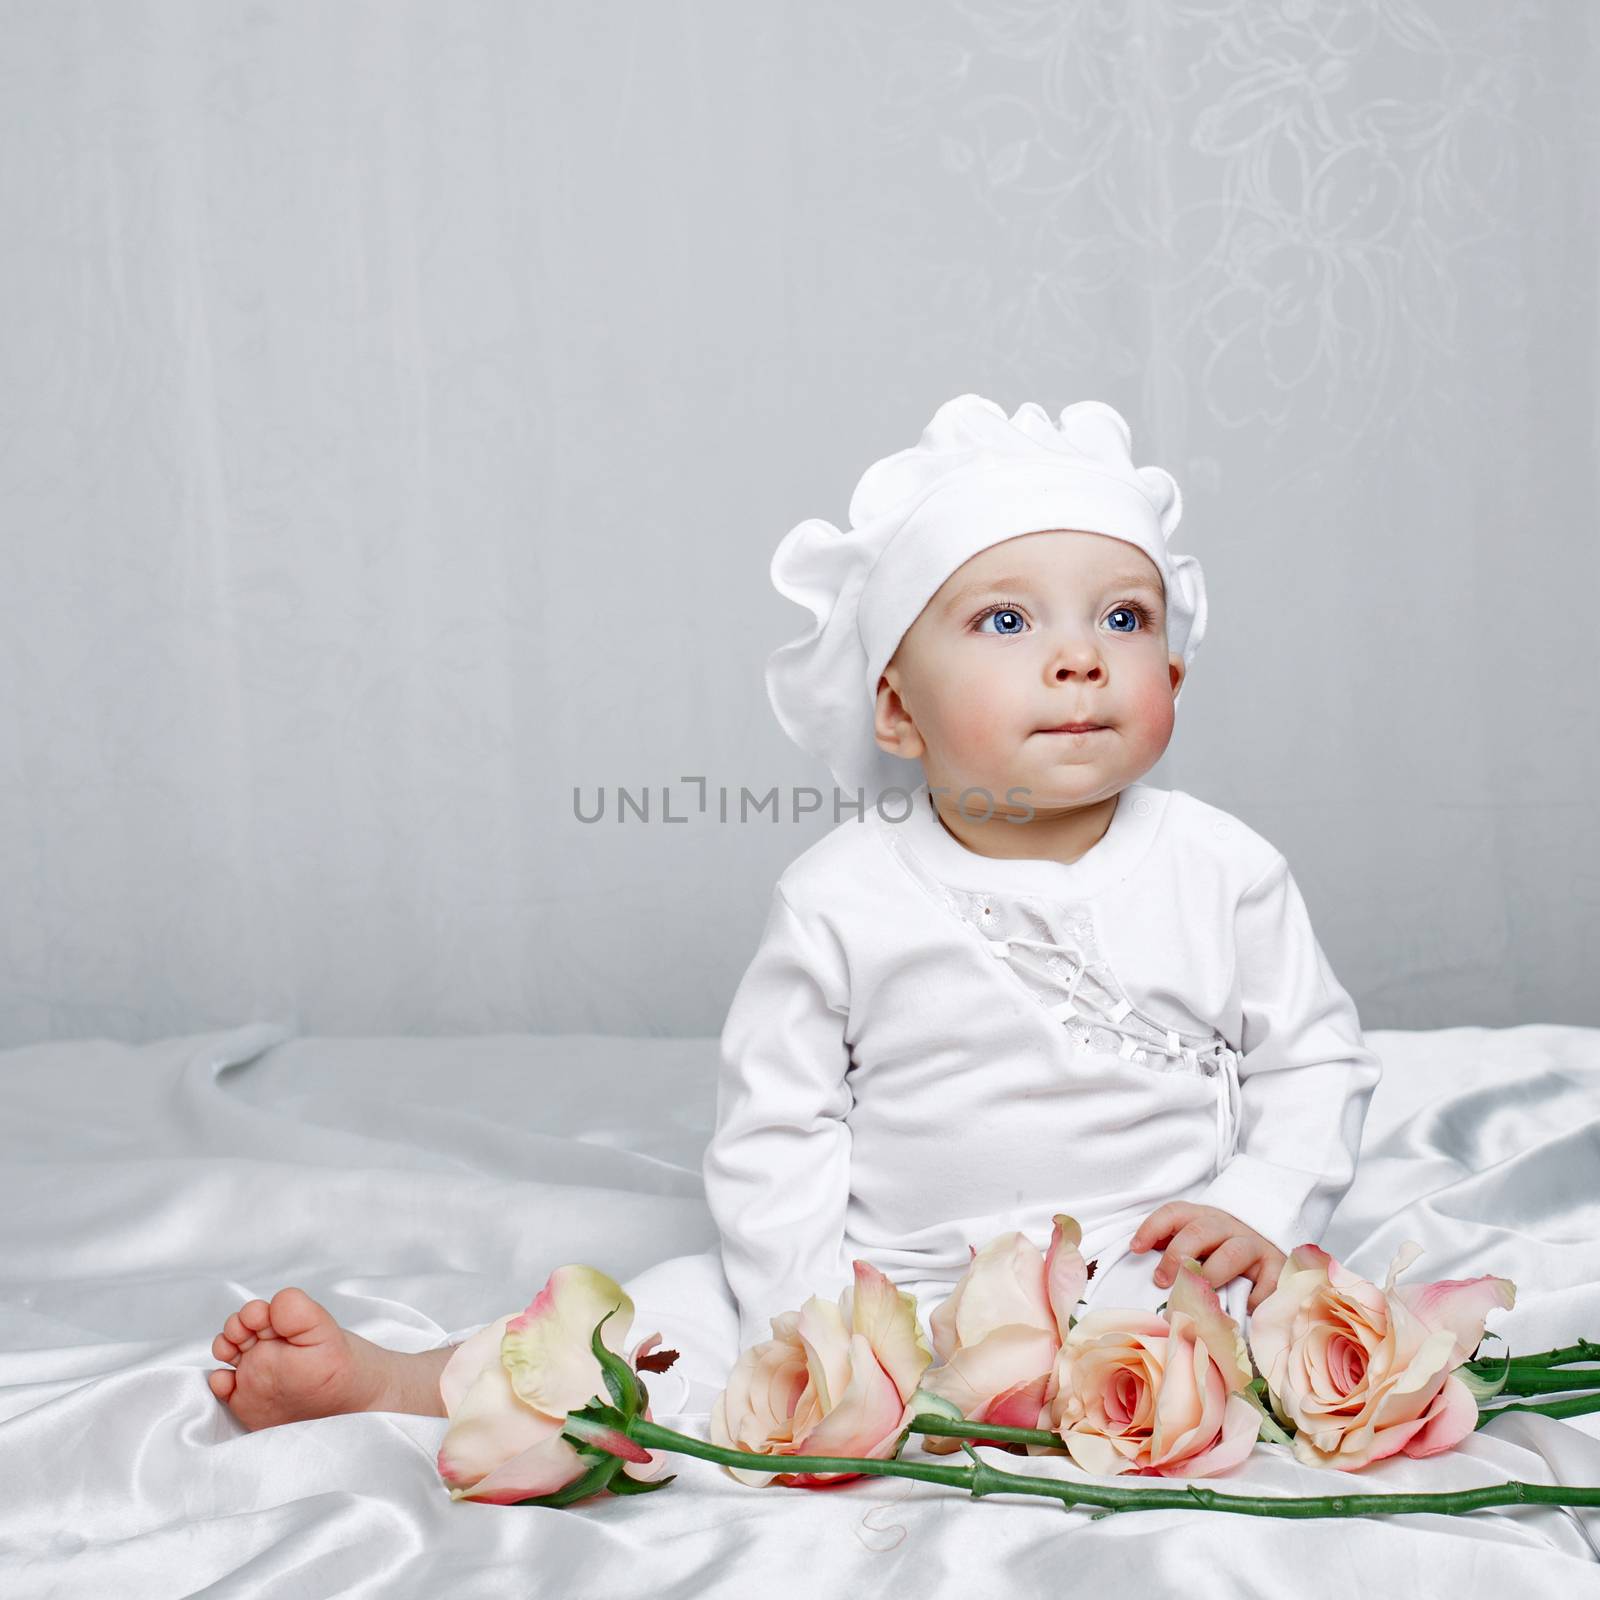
[(982, 730), (975, 711), (1152, 711)]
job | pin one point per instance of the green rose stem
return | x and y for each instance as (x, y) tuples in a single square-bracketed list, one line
[(1575, 1407), (981, 1479), (1583, 1350), (1549, 1380)]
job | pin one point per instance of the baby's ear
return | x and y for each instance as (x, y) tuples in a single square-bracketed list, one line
[(892, 727)]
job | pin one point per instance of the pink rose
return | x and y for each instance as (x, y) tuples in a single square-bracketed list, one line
[(507, 1391), (1363, 1372), (1133, 1391), (834, 1380), (998, 1332)]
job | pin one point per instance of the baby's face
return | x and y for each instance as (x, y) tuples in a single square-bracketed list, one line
[(1040, 630)]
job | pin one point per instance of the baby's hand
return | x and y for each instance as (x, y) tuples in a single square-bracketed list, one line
[(1224, 1246)]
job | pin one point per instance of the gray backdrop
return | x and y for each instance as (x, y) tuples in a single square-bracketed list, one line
[(399, 407)]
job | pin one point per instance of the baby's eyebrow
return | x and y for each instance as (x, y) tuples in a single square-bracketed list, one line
[(975, 591), (1135, 580)]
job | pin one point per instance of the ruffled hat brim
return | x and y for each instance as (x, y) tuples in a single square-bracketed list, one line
[(974, 479)]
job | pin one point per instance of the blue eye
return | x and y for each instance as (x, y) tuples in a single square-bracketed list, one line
[(995, 613), (1134, 609)]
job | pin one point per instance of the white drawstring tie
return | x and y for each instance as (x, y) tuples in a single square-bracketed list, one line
[(1217, 1061)]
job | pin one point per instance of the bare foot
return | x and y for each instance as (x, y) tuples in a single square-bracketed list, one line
[(289, 1361)]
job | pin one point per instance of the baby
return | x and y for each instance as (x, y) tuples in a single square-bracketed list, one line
[(1032, 983), (1023, 983)]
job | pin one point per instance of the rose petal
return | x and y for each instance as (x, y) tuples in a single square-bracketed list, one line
[(942, 1322), (1066, 1274), (467, 1360), (1191, 1400), (1095, 1453), (1403, 1257), (1017, 1407), (887, 1316), (868, 1412), (772, 1379), (825, 1336), (1367, 1445), (720, 1435), (1192, 1296), (1461, 1305), (490, 1427), (1241, 1423), (1003, 1285), (1117, 1320), (1423, 1370), (542, 1469), (977, 1373), (1451, 1418), (546, 1349)]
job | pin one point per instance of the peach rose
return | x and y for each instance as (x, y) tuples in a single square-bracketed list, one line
[(998, 1332), (834, 1380), (507, 1391), (1361, 1372), (1133, 1391)]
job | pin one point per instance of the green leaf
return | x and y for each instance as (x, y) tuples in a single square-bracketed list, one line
[(1267, 1428), (598, 1411), (924, 1403), (618, 1374), (597, 1478), (623, 1484), (1483, 1388)]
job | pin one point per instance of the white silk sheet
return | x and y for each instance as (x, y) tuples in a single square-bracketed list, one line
[(421, 1187)]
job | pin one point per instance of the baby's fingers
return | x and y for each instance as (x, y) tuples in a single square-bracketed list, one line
[(1161, 1224), (1229, 1260), (1266, 1277), (1194, 1240)]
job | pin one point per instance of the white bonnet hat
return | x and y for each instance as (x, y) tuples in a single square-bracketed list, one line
[(975, 478)]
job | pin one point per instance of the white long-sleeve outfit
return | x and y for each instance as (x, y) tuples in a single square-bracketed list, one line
[(932, 1046)]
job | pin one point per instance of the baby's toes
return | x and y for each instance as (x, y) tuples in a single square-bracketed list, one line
[(224, 1349), (236, 1333), (222, 1381), (295, 1316), (255, 1321)]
